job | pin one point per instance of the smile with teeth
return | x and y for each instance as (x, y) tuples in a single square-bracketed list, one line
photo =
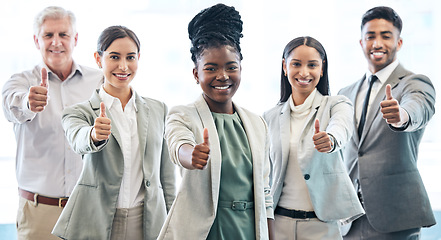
[(222, 87), (121, 75), (378, 53), (304, 80), (53, 51)]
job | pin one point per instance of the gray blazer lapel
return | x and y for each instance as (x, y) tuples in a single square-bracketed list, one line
[(374, 110), (95, 101), (142, 118), (310, 120), (215, 152), (285, 131)]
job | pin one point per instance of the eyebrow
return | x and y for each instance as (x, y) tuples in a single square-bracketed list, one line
[(117, 53), (215, 64), (308, 61), (383, 32)]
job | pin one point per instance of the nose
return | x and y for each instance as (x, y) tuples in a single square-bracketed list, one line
[(56, 40), (123, 65), (303, 72), (378, 43), (222, 76)]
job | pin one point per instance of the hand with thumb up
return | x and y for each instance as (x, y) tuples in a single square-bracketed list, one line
[(38, 95), (101, 128), (322, 141), (390, 107), (200, 154)]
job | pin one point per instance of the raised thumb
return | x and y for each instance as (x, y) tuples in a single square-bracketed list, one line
[(102, 110)]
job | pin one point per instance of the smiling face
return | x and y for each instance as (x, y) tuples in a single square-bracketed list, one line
[(303, 67), (120, 63), (56, 41), (218, 71), (380, 43)]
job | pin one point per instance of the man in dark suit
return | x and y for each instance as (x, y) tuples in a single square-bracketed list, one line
[(392, 109)]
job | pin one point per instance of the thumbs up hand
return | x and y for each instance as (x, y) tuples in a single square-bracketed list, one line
[(200, 154), (321, 139), (390, 107), (101, 128), (38, 95)]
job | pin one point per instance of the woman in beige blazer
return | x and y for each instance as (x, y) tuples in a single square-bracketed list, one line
[(308, 128), (220, 146)]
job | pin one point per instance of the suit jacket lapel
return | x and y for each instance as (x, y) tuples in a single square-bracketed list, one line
[(374, 110), (95, 101), (215, 152), (353, 97), (285, 131), (142, 119)]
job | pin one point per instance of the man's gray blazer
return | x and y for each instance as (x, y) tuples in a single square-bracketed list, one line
[(386, 157)]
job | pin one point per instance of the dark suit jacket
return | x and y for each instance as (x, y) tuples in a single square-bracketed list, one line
[(394, 195)]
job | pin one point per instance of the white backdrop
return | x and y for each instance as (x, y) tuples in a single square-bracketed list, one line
[(165, 70)]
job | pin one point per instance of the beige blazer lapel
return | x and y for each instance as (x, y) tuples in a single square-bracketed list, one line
[(285, 132), (215, 152)]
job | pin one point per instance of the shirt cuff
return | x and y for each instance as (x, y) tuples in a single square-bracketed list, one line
[(404, 116)]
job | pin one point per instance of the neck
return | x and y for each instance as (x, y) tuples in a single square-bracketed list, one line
[(123, 95), (62, 71), (226, 108)]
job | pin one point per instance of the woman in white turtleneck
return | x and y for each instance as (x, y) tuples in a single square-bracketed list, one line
[(311, 189)]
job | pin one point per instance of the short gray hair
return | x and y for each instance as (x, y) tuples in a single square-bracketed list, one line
[(53, 12)]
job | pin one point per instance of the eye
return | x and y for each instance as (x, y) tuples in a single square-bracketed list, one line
[(232, 68), (210, 69), (63, 35), (114, 57), (131, 58), (313, 65), (296, 64), (48, 35)]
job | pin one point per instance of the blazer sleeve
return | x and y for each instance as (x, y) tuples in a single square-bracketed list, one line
[(178, 131), (77, 122), (168, 176), (341, 124), (417, 97)]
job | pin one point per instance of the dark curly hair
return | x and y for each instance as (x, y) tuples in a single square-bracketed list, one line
[(213, 27)]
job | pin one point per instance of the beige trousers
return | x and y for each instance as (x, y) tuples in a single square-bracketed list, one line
[(127, 224), (287, 228), (36, 222)]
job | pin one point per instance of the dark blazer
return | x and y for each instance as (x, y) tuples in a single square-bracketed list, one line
[(394, 195), (91, 208)]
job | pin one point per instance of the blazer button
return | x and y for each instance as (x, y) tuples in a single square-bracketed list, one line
[(147, 183), (360, 154), (307, 176)]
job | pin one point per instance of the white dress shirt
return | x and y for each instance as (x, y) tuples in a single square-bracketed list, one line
[(382, 76), (45, 163), (132, 190)]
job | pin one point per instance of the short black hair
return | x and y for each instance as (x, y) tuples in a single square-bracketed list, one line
[(323, 84), (216, 26), (385, 13)]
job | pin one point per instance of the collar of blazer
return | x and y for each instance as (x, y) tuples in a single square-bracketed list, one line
[(142, 118), (285, 121), (399, 73), (215, 153)]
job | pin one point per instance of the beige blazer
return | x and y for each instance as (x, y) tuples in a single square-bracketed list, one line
[(329, 186), (194, 209)]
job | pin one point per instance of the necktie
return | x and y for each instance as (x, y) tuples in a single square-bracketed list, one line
[(373, 78)]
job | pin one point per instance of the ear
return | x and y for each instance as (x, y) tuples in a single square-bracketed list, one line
[(36, 42), (195, 74), (76, 39), (284, 66), (139, 55), (400, 43), (97, 57)]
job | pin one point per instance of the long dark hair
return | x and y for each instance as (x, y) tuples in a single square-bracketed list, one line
[(216, 26), (323, 84)]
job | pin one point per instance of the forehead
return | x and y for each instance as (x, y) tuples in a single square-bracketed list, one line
[(378, 26), (122, 45), (304, 52), (56, 25), (219, 54)]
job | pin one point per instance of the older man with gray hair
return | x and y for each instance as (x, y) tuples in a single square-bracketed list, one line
[(46, 167)]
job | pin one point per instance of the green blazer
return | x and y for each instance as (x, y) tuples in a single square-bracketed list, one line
[(91, 208)]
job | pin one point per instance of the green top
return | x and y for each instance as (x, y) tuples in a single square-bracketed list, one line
[(235, 211)]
